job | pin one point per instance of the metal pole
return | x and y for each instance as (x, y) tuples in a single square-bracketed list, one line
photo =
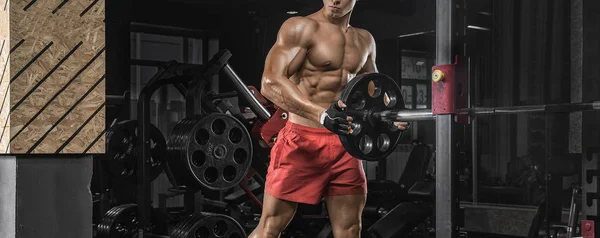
[(445, 197), (406, 115), (143, 186), (544, 108), (474, 112), (255, 105), (475, 159), (573, 214), (170, 30), (473, 101)]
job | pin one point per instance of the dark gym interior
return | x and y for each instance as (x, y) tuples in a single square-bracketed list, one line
[(518, 154)]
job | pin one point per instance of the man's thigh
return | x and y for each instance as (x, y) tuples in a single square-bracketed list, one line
[(347, 176), (345, 211), (281, 210), (275, 217)]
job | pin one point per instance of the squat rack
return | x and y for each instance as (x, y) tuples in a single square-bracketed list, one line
[(446, 201), (449, 107)]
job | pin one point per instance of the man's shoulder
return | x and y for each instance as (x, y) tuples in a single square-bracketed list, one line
[(300, 23), (364, 33), (297, 30)]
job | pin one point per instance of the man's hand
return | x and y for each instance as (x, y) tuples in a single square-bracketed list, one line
[(402, 125), (335, 119)]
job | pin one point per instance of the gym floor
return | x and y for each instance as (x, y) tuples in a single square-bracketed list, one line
[(502, 99)]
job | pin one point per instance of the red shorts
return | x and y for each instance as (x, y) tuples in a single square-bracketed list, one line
[(308, 163)]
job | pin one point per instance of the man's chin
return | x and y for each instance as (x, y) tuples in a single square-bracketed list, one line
[(335, 15)]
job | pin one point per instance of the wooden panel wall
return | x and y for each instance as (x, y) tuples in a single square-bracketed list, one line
[(57, 75), (4, 78)]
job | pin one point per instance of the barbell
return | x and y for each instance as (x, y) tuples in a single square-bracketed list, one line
[(374, 101), (369, 99)]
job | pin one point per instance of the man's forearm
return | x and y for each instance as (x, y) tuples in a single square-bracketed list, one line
[(286, 95)]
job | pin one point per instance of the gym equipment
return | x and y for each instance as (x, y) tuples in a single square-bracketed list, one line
[(213, 151), (539, 226), (374, 101), (121, 222), (406, 204), (371, 139), (123, 151), (383, 195), (269, 130), (401, 220), (415, 169), (589, 188), (219, 170), (242, 89), (208, 225)]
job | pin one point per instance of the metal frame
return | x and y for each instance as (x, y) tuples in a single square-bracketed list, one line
[(171, 31), (164, 77), (255, 105), (426, 114), (445, 196), (449, 29)]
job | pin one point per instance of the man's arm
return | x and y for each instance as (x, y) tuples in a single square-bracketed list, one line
[(370, 65), (284, 59)]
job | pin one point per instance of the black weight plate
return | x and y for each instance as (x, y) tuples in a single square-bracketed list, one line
[(183, 228), (212, 151), (188, 230), (121, 222), (374, 139), (176, 149), (216, 225), (123, 151), (225, 149), (109, 227)]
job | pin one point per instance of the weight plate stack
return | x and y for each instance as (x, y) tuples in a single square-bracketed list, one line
[(208, 226), (184, 226), (368, 94), (213, 151), (122, 151), (177, 152), (121, 222)]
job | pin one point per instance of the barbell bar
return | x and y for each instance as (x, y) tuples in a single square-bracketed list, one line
[(374, 102), (426, 114), (255, 105)]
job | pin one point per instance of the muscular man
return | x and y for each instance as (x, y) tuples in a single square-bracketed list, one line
[(305, 71)]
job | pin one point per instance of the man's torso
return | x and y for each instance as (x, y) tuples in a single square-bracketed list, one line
[(335, 56)]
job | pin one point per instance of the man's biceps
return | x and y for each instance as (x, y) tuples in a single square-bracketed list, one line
[(281, 51)]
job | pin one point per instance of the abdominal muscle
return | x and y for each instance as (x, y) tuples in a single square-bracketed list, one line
[(322, 88)]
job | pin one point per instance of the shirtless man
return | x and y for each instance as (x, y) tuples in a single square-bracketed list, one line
[(312, 60)]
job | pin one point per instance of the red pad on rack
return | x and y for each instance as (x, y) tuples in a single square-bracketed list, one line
[(451, 92)]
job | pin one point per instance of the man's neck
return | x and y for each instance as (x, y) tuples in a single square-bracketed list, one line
[(342, 22)]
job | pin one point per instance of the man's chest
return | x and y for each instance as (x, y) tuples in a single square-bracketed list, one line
[(334, 50)]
